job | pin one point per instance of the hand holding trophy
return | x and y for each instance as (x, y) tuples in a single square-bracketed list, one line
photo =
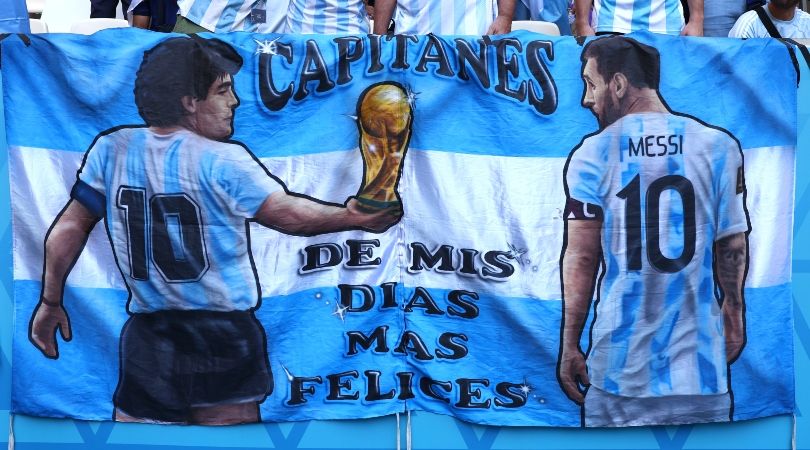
[(384, 118)]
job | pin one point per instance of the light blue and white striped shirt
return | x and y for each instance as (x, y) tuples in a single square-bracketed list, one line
[(221, 16), (625, 16), (669, 187), (444, 16), (327, 17), (176, 207)]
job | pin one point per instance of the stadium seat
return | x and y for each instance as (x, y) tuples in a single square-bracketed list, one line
[(35, 7), (90, 26), (537, 26), (38, 26), (61, 14)]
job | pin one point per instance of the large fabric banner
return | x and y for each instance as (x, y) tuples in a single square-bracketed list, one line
[(513, 230)]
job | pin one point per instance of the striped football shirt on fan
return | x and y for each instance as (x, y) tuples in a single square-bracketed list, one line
[(327, 17), (444, 17), (625, 16), (222, 16)]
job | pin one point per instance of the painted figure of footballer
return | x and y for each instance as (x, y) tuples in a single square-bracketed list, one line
[(655, 216), (176, 197)]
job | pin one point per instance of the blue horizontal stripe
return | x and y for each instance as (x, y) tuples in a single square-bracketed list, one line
[(66, 106), (308, 339)]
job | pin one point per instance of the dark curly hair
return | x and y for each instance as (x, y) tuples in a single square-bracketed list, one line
[(178, 67)]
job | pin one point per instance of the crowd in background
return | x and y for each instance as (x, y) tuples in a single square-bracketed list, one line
[(734, 18)]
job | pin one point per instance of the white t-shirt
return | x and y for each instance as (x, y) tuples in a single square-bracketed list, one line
[(749, 26)]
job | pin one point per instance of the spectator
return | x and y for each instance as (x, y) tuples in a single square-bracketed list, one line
[(262, 16), (788, 19), (554, 11), (327, 17), (443, 17), (719, 16), (625, 16), (155, 15), (105, 9)]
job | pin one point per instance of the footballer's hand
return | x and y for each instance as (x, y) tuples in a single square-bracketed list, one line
[(571, 373), (734, 331), (501, 25), (42, 331), (377, 220)]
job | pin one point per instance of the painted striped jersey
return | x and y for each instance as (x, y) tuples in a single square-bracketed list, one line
[(327, 17), (444, 17), (668, 187), (625, 16), (221, 16), (176, 207)]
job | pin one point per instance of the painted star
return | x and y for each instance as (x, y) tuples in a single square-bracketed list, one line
[(525, 388), (266, 47), (289, 375), (411, 95), (340, 311), (516, 253)]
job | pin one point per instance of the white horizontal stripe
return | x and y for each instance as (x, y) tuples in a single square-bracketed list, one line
[(462, 200)]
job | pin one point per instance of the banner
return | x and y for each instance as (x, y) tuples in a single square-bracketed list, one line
[(513, 230)]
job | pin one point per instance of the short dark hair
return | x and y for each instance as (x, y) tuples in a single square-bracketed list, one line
[(640, 63), (178, 67)]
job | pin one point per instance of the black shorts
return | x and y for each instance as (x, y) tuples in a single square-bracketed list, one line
[(173, 361)]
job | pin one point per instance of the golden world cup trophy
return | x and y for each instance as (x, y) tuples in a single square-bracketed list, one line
[(384, 117)]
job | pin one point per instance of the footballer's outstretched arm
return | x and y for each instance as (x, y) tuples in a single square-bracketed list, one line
[(63, 245), (579, 266), (731, 258), (302, 216)]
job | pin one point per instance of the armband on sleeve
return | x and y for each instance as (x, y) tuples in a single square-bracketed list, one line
[(94, 201), (577, 210)]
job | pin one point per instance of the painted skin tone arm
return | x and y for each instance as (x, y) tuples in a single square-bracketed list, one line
[(63, 245), (579, 267), (302, 216), (731, 255)]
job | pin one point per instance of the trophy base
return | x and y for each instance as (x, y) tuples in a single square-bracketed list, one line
[(370, 205)]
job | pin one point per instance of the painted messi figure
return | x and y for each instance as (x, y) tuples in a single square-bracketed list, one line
[(176, 197), (655, 222)]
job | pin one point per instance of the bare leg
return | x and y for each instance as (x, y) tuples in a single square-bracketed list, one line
[(121, 416), (228, 414)]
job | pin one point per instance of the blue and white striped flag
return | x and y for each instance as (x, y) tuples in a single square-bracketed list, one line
[(496, 158)]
